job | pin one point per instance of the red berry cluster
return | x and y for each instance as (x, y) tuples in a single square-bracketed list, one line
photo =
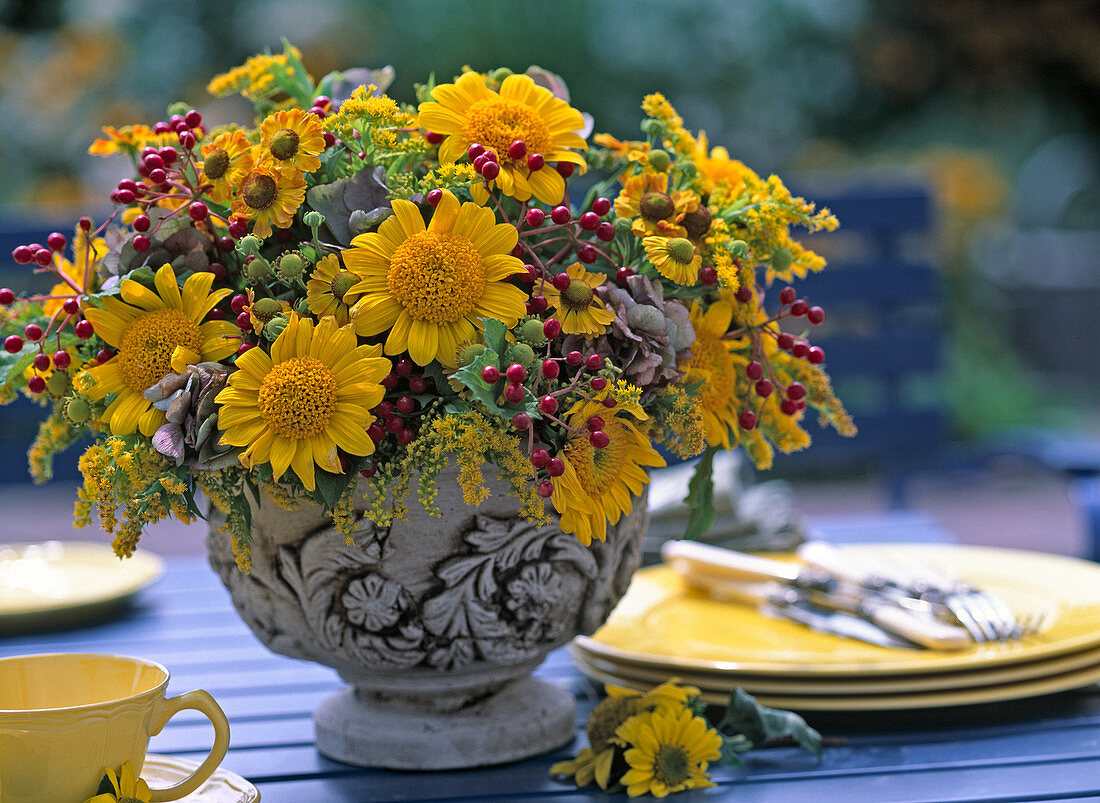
[(395, 415)]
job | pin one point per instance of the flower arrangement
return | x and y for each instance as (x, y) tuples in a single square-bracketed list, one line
[(349, 288)]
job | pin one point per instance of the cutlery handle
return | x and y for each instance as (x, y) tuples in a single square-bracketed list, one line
[(725, 589), (926, 632), (690, 557), (861, 570)]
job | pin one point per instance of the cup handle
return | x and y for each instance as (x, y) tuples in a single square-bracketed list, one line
[(202, 702)]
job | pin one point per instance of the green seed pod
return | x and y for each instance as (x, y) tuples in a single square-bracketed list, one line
[(471, 353), (688, 168), (622, 224), (313, 219), (498, 75), (266, 308), (651, 126), (530, 332), (275, 327), (249, 244), (58, 384), (77, 411), (521, 353), (258, 269), (781, 259), (659, 160), (291, 266)]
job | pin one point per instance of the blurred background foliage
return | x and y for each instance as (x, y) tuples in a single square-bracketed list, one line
[(991, 103)]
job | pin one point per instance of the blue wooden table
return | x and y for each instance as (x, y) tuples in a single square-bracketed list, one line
[(1043, 749)]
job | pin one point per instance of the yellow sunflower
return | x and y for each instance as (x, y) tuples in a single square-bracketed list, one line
[(292, 138), (310, 397), (670, 752), (126, 787), (645, 198), (467, 111), (328, 291), (674, 258), (716, 167), (154, 334), (269, 195), (580, 311), (431, 286), (598, 484), (712, 364), (226, 161)]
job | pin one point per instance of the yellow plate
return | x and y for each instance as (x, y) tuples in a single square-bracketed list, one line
[(55, 584), (221, 787), (718, 694), (892, 684), (664, 624)]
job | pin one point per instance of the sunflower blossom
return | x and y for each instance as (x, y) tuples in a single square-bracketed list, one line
[(468, 112), (579, 309), (328, 291), (310, 397), (711, 363), (291, 138), (269, 195), (429, 287), (154, 333), (126, 787), (669, 752), (226, 160)]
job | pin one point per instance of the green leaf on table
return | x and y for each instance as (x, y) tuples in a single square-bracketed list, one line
[(748, 724), (700, 498)]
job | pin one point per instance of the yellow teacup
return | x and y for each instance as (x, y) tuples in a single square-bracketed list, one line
[(65, 718)]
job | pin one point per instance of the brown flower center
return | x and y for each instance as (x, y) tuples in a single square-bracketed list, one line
[(697, 223), (216, 164), (606, 719), (657, 206), (145, 351), (298, 397), (672, 765), (342, 282), (259, 191), (284, 145), (578, 295)]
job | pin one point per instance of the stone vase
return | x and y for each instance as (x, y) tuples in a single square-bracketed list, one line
[(435, 623)]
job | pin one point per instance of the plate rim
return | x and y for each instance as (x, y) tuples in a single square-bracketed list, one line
[(249, 792)]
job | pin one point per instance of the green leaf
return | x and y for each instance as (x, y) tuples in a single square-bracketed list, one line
[(330, 487), (470, 376), (12, 366), (748, 724), (700, 498), (495, 335)]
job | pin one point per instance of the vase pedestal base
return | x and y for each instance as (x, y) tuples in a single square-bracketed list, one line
[(526, 718)]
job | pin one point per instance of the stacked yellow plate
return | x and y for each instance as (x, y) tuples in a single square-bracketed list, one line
[(663, 628)]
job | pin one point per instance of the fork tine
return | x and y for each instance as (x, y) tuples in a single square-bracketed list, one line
[(978, 629)]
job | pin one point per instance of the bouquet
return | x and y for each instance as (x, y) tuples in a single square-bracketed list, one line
[(337, 299)]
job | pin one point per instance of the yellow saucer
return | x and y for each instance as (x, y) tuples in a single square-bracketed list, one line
[(664, 624), (54, 584), (221, 787)]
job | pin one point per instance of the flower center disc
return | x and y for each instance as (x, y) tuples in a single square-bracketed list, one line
[(259, 191), (215, 164), (671, 764), (284, 144), (709, 354), (145, 353), (608, 716), (298, 397), (657, 206), (578, 295), (497, 123), (436, 277), (342, 282)]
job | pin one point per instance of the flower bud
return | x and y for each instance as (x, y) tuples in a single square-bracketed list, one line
[(521, 353), (258, 269), (249, 244), (313, 219), (531, 333), (275, 327), (659, 160), (291, 266)]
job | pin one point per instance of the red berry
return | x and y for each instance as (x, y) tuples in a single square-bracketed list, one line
[(389, 381), (84, 329), (475, 150), (418, 384), (599, 439), (216, 314), (609, 402), (516, 373), (786, 295), (193, 118), (561, 281), (142, 223), (605, 232), (41, 361), (161, 128), (763, 388), (539, 303), (595, 424), (198, 211), (33, 332), (187, 140), (539, 458), (404, 367), (168, 154), (514, 393), (535, 162), (598, 383), (622, 274), (141, 243), (545, 489), (565, 168), (490, 155), (743, 295), (13, 344), (238, 228), (36, 384), (490, 170), (816, 356), (800, 349), (788, 407), (433, 137), (384, 409), (587, 254), (517, 251), (154, 162), (71, 306), (329, 138), (324, 101), (490, 374), (367, 473), (435, 196), (518, 149), (7, 297), (406, 404), (535, 217), (244, 321), (708, 276), (747, 420), (56, 241), (521, 421), (784, 341), (125, 197), (225, 244), (158, 176), (62, 360), (238, 302), (594, 362), (103, 355), (548, 404), (405, 436), (375, 432), (799, 308), (796, 391), (551, 328), (218, 269), (574, 358), (754, 370), (815, 315), (394, 425), (589, 221), (43, 258), (561, 214), (22, 255), (550, 369), (245, 346), (531, 274), (556, 467), (480, 162), (601, 206)]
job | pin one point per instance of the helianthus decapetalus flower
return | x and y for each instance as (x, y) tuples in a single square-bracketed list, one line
[(292, 138), (579, 309), (269, 195), (328, 291), (645, 198), (226, 160), (712, 364), (674, 258), (670, 750)]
